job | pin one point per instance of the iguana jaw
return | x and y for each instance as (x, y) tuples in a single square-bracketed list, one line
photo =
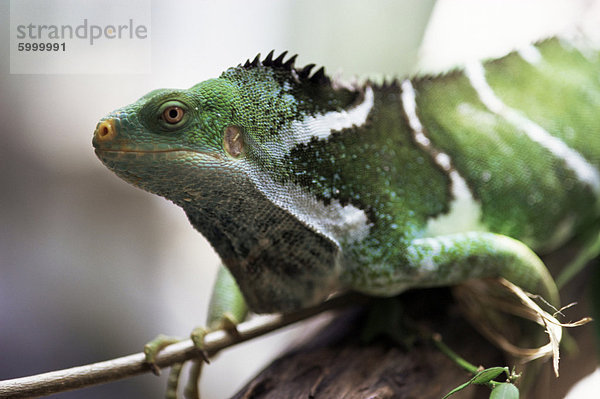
[(152, 165)]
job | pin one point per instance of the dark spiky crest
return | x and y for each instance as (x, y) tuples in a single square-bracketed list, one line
[(319, 77), (388, 83)]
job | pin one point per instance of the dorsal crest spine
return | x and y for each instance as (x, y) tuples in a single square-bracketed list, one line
[(304, 74)]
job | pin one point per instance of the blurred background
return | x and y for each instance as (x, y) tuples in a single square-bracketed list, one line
[(92, 268)]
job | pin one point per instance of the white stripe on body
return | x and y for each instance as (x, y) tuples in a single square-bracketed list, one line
[(321, 126), (585, 171), (530, 54), (464, 211)]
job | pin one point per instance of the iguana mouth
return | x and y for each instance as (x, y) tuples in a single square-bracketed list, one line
[(144, 151), (139, 152)]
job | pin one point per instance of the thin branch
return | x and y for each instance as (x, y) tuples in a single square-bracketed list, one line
[(445, 349), (127, 366)]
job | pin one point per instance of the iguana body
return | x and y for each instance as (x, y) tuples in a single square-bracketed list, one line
[(306, 186)]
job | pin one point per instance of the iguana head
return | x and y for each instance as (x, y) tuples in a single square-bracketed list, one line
[(246, 115), (217, 150)]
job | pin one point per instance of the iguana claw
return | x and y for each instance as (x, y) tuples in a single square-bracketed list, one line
[(152, 348), (197, 337)]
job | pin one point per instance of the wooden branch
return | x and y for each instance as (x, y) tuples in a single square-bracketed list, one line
[(335, 363), (127, 366)]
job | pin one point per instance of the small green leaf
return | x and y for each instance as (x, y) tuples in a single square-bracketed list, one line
[(483, 377), (487, 375), (458, 388), (505, 390)]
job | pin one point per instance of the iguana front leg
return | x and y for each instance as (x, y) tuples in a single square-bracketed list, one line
[(227, 306), (455, 258), (226, 310)]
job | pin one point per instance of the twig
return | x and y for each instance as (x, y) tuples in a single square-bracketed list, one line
[(127, 366), (445, 349)]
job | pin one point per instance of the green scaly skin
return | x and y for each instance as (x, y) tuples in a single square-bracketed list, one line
[(306, 186)]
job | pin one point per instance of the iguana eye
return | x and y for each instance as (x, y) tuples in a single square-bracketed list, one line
[(173, 114)]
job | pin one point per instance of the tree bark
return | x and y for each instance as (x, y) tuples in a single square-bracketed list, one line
[(336, 363)]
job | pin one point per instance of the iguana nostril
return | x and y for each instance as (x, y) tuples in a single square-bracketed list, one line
[(106, 130)]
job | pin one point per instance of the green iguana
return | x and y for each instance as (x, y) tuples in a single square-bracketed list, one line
[(306, 186)]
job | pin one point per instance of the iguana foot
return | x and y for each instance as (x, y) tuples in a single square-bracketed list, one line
[(226, 323), (152, 349), (197, 337), (192, 390), (226, 311), (173, 381)]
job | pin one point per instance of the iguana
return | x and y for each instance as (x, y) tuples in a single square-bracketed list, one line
[(306, 186)]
